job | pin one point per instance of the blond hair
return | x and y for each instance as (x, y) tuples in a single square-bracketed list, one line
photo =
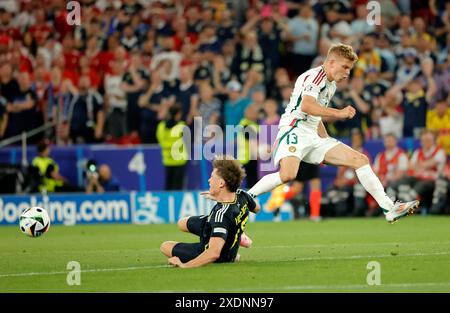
[(344, 51)]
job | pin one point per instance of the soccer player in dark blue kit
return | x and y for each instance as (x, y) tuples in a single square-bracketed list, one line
[(220, 232)]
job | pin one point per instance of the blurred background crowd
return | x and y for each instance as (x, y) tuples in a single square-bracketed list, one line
[(132, 64)]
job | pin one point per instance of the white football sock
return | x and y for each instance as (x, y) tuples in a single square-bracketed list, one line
[(265, 184), (372, 184)]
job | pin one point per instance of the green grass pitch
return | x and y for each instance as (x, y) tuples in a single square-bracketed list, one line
[(297, 256)]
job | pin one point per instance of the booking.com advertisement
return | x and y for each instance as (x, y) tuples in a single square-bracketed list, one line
[(133, 207)]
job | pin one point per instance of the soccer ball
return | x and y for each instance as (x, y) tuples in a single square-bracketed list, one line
[(34, 221)]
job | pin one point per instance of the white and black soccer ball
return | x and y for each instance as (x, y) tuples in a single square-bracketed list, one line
[(34, 221)]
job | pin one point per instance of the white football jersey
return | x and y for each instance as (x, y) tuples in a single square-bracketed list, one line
[(312, 83)]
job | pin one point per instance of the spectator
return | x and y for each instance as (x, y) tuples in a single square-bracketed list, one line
[(22, 111), (248, 144), (391, 119), (441, 194), (7, 25), (384, 43), (103, 181), (281, 79), (359, 25), (133, 83), (221, 74), (249, 56), (442, 24), (438, 121), (444, 50), (350, 94), (333, 12), (286, 92), (389, 12), (271, 30), (271, 33), (415, 107), (304, 31), (88, 70), (258, 97), (180, 34), (210, 107), (9, 86), (3, 116), (409, 67), (173, 149), (193, 20), (171, 59), (236, 105), (54, 99), (369, 57), (85, 113), (254, 82), (390, 166), (227, 28), (441, 78), (153, 104), (228, 52), (374, 90), (324, 46), (70, 54), (404, 27), (420, 31), (115, 98), (51, 179), (425, 166), (267, 134), (129, 39), (271, 116), (41, 29), (187, 94), (208, 41)]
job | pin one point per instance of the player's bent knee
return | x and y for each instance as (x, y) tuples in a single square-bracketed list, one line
[(287, 176), (166, 248), (182, 224), (360, 160)]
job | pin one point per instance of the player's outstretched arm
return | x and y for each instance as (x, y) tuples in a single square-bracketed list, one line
[(257, 208), (311, 107), (207, 195), (208, 256)]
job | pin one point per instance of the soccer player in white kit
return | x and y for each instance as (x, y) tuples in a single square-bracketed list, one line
[(302, 135)]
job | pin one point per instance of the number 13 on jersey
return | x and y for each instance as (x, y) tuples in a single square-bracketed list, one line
[(291, 139)]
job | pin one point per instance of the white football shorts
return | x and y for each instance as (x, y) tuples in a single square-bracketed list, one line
[(303, 143)]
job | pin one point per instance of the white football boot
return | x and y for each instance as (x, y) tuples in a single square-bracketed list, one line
[(401, 209)]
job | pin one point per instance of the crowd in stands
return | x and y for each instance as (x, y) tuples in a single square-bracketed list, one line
[(115, 77)]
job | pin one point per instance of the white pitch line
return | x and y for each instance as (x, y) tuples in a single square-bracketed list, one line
[(353, 257), (167, 266), (274, 246), (351, 244), (86, 271), (309, 287)]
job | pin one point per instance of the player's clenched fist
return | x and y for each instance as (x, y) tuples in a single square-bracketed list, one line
[(347, 112)]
